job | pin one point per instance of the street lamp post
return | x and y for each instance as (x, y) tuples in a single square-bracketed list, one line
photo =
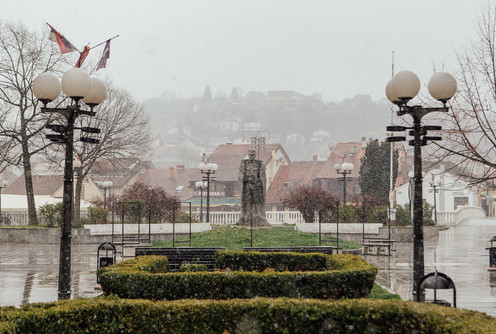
[(403, 87), (78, 86), (435, 183), (208, 170), (411, 191), (344, 169), (4, 185), (106, 185), (76, 165), (258, 144), (201, 185)]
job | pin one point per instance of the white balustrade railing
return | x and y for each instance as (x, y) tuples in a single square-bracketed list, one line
[(465, 212), (224, 218), (20, 216), (445, 218), (273, 217)]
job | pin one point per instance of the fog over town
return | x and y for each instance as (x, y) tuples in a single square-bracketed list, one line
[(308, 74), (248, 166)]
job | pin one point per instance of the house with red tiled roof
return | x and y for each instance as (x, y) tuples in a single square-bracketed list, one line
[(50, 185), (228, 157), (342, 153), (7, 176), (178, 181), (289, 178), (123, 172)]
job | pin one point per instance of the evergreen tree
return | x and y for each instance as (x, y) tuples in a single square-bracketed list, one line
[(207, 94), (374, 170)]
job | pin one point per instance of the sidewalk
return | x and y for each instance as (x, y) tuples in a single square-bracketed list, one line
[(459, 253), (29, 272)]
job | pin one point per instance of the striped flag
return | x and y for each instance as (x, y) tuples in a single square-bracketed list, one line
[(83, 56), (105, 55), (64, 44)]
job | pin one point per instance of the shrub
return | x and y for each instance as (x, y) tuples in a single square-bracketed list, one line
[(347, 276), (97, 215), (260, 315), (280, 261), (183, 217), (404, 218), (347, 214), (193, 267), (378, 215), (51, 214)]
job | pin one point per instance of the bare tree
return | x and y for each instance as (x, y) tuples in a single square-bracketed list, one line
[(125, 132), (469, 138), (23, 56)]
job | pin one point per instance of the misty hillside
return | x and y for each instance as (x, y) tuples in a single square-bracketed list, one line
[(305, 125)]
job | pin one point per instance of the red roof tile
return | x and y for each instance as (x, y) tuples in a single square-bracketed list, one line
[(175, 181), (228, 157), (352, 152), (42, 185), (289, 177)]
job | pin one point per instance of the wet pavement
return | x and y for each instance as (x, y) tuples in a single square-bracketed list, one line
[(29, 272), (460, 252)]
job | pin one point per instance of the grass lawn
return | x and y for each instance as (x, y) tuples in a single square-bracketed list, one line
[(378, 292), (235, 238)]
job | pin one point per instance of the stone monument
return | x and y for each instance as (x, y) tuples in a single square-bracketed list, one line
[(252, 179)]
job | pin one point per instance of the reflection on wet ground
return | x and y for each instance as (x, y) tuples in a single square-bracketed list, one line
[(459, 253), (29, 272)]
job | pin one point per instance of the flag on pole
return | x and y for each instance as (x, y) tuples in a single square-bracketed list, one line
[(64, 44), (83, 56), (105, 55)]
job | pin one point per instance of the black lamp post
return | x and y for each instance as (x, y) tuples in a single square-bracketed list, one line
[(258, 144), (201, 185), (105, 185), (435, 184), (4, 185), (208, 170), (78, 86), (400, 89), (344, 169)]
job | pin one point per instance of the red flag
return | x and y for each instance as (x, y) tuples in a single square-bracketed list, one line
[(105, 55), (64, 44), (83, 56)]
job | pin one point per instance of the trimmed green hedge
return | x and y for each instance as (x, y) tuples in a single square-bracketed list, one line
[(280, 261), (151, 263), (347, 276), (261, 315)]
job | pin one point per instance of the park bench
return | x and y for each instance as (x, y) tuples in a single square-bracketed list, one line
[(315, 249), (178, 256), (376, 248), (382, 241)]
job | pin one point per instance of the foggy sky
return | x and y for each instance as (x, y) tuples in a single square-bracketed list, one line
[(336, 48)]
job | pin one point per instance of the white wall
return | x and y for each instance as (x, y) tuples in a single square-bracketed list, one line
[(449, 189)]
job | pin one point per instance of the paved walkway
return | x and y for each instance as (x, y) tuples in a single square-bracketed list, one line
[(459, 253), (28, 272)]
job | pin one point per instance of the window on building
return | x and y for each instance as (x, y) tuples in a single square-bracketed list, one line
[(460, 201)]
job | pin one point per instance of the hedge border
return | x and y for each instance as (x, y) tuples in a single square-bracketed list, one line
[(347, 276), (261, 315)]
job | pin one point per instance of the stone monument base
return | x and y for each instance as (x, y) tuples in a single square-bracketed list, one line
[(257, 222)]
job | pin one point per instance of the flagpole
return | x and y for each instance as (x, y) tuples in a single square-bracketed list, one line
[(105, 41)]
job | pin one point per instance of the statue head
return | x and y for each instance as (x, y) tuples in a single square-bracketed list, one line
[(252, 154)]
